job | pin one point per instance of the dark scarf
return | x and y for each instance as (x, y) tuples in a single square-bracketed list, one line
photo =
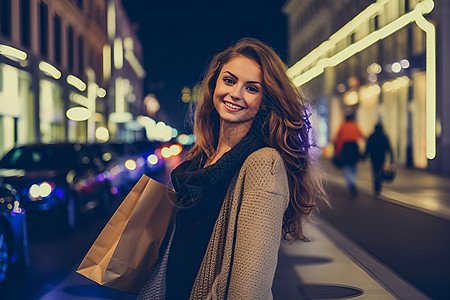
[(201, 192)]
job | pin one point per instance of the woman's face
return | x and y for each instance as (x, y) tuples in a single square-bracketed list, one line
[(239, 90)]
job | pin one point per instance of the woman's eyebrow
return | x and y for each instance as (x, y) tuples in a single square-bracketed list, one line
[(235, 77)]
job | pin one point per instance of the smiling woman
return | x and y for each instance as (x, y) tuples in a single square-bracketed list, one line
[(238, 92), (248, 181)]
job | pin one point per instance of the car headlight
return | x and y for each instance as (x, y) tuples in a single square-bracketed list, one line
[(130, 164), (40, 191), (152, 159)]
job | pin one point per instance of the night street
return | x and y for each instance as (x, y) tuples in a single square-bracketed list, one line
[(54, 255), (413, 244), (94, 94)]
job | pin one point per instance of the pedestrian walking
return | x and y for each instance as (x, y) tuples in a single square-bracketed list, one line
[(377, 147), (347, 147), (248, 181)]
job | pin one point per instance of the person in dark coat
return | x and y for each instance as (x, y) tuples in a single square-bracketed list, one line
[(377, 147)]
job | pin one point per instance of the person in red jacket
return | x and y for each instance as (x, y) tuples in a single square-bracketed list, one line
[(346, 145)]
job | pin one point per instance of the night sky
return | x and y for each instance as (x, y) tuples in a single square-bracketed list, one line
[(180, 37)]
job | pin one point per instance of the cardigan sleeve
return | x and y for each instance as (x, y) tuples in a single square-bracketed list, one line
[(258, 232)]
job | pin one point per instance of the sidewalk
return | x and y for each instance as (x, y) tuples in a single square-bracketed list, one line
[(416, 189), (330, 266)]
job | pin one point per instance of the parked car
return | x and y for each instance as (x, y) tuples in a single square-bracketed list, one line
[(57, 181), (133, 160), (115, 171), (150, 152), (13, 235), (125, 163)]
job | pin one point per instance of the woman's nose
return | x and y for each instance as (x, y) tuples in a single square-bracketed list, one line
[(236, 92)]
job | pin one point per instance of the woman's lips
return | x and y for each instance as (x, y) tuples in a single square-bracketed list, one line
[(231, 106)]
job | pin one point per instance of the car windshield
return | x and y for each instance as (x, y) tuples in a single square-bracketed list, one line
[(39, 158)]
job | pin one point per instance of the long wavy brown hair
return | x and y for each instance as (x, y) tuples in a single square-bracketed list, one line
[(287, 128)]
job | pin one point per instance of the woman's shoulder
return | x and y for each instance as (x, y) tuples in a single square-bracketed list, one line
[(267, 157), (265, 168), (264, 154)]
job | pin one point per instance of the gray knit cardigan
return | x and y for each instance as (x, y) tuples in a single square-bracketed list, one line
[(243, 249), (242, 253)]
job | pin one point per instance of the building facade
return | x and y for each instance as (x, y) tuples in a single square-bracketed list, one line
[(377, 59), (54, 80), (123, 56)]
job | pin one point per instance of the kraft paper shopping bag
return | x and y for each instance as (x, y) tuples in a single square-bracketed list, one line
[(126, 250)]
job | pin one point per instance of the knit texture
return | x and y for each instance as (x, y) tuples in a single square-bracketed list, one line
[(155, 288), (201, 192), (242, 253)]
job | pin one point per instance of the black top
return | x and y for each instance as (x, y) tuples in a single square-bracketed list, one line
[(201, 192)]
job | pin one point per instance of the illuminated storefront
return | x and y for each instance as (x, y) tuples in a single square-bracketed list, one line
[(380, 65), (51, 112), (16, 107), (77, 115), (61, 62)]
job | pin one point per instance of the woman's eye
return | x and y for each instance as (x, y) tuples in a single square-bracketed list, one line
[(228, 81), (252, 89)]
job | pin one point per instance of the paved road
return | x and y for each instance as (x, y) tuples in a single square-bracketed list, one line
[(51, 255), (54, 254), (414, 244)]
